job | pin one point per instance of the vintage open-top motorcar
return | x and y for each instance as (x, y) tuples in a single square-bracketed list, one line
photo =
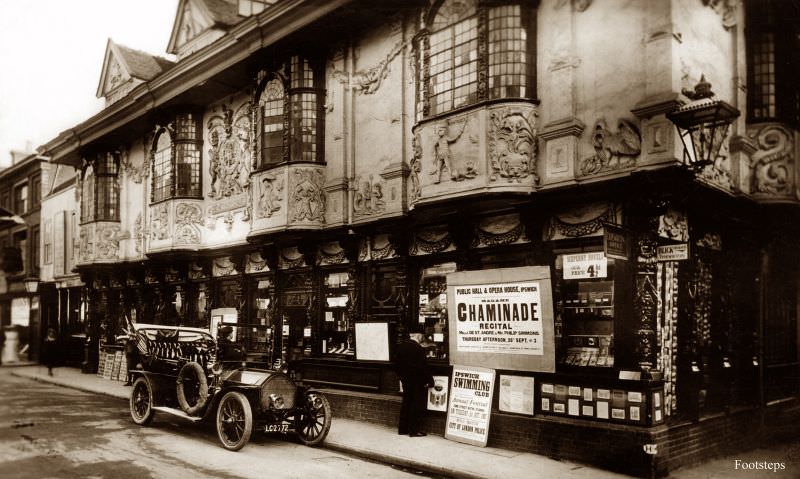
[(189, 373)]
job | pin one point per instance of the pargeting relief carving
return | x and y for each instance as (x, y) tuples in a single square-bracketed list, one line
[(136, 171), (86, 244), (431, 240), (188, 219), (415, 192), (512, 153), (613, 151), (308, 197), (107, 241), (368, 197), (368, 81), (443, 156), (772, 164), (580, 221), (289, 258), (270, 195), (139, 233), (230, 138), (331, 253), (159, 222), (255, 263)]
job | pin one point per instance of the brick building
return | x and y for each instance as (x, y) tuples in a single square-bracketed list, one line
[(328, 167)]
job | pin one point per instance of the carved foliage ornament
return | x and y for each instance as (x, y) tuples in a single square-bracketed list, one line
[(495, 231), (331, 253), (107, 241), (581, 222), (255, 264), (230, 137), (431, 240), (772, 163), (223, 267), (308, 197), (369, 80), (368, 197), (290, 258), (613, 151), (188, 219), (86, 244), (139, 233), (159, 222), (511, 145)]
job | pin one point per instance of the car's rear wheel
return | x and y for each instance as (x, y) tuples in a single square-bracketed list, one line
[(192, 388), (313, 419), (234, 421), (141, 401)]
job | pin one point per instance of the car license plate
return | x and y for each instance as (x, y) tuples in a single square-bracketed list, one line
[(277, 428)]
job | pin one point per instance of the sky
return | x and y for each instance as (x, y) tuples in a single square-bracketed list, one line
[(51, 54)]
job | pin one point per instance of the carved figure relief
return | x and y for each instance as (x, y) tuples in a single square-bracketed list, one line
[(499, 230), (270, 196), (308, 197), (86, 246), (613, 151), (188, 219), (159, 222), (230, 138), (223, 266), (368, 197), (772, 164), (107, 246), (415, 191), (443, 156), (511, 146)]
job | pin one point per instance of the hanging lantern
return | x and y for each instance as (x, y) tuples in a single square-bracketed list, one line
[(702, 125)]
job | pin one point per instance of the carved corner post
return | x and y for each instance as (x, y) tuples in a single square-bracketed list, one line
[(646, 301), (309, 252), (402, 291), (90, 297)]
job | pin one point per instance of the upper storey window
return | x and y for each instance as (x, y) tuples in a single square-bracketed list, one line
[(100, 189), (472, 51), (176, 159), (773, 50), (290, 123)]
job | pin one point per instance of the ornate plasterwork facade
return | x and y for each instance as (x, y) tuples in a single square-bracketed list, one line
[(613, 150), (188, 221), (368, 197), (230, 159), (772, 164), (307, 200), (512, 144)]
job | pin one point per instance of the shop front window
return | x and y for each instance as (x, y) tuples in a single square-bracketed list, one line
[(432, 317), (336, 332), (585, 309)]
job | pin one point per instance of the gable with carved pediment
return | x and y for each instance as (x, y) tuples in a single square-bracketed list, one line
[(191, 22)]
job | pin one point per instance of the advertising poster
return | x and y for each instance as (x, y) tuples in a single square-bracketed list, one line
[(585, 265), (502, 318), (470, 406), (372, 341), (516, 394), (437, 395)]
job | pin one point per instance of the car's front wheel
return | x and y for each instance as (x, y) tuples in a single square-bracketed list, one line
[(234, 421), (313, 419), (141, 401)]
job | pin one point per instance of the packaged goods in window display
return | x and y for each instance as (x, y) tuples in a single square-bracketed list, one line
[(236, 384)]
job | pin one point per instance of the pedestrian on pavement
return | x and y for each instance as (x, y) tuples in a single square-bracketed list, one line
[(412, 367), (131, 356), (49, 352)]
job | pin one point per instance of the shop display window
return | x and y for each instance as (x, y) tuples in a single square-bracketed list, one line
[(432, 316), (336, 336), (585, 309), (262, 340)]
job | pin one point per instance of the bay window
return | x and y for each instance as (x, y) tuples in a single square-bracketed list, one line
[(100, 189), (176, 159), (471, 51)]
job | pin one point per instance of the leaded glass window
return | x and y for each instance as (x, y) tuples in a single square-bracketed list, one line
[(272, 106), (162, 167), (472, 52), (177, 160), (100, 189)]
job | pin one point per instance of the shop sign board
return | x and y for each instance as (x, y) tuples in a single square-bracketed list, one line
[(516, 394), (616, 242), (673, 252), (470, 408), (585, 265), (502, 318)]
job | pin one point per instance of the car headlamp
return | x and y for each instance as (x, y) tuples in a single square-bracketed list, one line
[(276, 401)]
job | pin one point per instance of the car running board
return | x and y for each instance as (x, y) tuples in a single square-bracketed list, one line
[(177, 412)]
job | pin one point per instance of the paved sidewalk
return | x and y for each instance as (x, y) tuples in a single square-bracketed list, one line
[(432, 454)]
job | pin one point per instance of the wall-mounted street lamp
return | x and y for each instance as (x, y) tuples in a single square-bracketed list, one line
[(702, 125), (31, 285)]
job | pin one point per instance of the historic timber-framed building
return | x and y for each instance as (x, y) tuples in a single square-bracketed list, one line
[(324, 166)]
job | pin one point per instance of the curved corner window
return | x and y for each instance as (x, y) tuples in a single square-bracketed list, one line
[(176, 160), (290, 123), (471, 52), (100, 189)]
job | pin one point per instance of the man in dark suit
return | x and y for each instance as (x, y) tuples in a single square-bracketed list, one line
[(412, 367)]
